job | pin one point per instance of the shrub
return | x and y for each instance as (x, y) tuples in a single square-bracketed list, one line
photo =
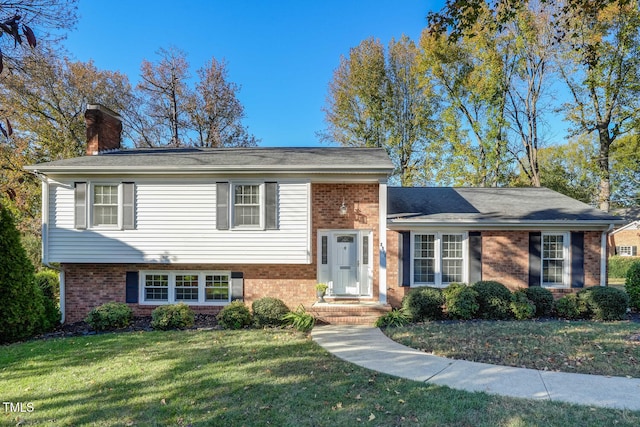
[(461, 301), (423, 303), (619, 266), (569, 307), (21, 309), (542, 298), (234, 316), (632, 285), (521, 306), (300, 319), (494, 300), (109, 316), (172, 316), (49, 284), (393, 318), (269, 311), (605, 303)]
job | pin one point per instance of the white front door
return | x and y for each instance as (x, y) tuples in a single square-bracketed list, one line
[(345, 264)]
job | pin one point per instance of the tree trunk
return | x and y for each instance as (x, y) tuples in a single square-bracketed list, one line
[(604, 194)]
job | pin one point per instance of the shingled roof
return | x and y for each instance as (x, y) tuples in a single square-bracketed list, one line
[(488, 206), (172, 160)]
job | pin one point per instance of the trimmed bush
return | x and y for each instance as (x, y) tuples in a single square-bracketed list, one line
[(110, 316), (618, 266), (605, 303), (461, 301), (424, 303), (494, 300), (269, 311), (172, 316), (394, 318), (521, 306), (570, 307), (300, 319), (49, 283), (632, 285), (22, 308), (542, 298), (234, 316)]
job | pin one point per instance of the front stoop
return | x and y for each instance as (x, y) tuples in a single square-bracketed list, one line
[(337, 313)]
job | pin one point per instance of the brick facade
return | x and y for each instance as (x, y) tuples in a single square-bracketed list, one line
[(90, 285), (505, 258)]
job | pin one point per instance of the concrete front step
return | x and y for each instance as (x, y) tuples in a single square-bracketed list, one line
[(348, 313)]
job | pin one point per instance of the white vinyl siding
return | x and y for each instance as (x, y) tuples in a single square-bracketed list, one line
[(175, 222)]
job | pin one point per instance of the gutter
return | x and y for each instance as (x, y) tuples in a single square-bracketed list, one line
[(603, 255)]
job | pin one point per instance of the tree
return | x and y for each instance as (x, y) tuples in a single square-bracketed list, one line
[(215, 112), (22, 309), (378, 99), (625, 171), (165, 97), (355, 104), (470, 76), (602, 71), (47, 103)]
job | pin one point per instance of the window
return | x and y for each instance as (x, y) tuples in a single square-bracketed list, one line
[(627, 250), (105, 205), (217, 287), (206, 288), (439, 258), (246, 205), (554, 259)]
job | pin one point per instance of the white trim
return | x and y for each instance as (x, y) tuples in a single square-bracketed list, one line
[(566, 257), (232, 205), (45, 222), (382, 237), (603, 255), (63, 310), (438, 257), (633, 225), (171, 288)]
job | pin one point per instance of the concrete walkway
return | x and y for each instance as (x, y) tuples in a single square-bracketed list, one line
[(369, 347)]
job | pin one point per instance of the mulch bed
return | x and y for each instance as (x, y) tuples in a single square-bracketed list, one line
[(202, 321)]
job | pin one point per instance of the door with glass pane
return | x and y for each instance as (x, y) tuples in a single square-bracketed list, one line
[(345, 267)]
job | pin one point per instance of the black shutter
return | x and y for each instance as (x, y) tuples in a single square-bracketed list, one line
[(577, 259), (406, 258), (535, 260), (475, 256), (271, 208), (222, 205), (132, 287), (80, 205), (237, 286), (128, 206)]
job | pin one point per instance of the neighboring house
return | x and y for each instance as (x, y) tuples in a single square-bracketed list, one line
[(625, 241), (207, 226)]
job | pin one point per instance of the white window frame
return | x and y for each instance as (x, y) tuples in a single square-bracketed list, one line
[(626, 250), (566, 267), (172, 289), (91, 204), (261, 207), (438, 283)]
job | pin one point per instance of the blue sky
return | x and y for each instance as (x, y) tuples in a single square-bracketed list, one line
[(281, 53)]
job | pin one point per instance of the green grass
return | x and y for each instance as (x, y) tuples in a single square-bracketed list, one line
[(236, 378), (603, 348)]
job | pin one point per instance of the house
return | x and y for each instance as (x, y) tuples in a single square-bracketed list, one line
[(207, 226), (624, 241)]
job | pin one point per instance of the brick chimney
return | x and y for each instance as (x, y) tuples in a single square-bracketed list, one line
[(104, 129)]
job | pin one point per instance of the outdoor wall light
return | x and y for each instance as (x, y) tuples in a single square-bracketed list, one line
[(343, 209)]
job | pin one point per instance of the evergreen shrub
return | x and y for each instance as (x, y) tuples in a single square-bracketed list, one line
[(110, 316), (632, 285), (461, 301), (424, 303), (605, 303), (172, 316), (494, 300), (542, 298), (269, 311), (234, 316)]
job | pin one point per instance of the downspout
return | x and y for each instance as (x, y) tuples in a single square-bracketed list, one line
[(382, 237), (603, 256)]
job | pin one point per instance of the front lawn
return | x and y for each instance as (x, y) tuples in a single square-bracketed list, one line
[(235, 378), (602, 348)]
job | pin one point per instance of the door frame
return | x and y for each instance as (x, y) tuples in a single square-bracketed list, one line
[(326, 243)]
